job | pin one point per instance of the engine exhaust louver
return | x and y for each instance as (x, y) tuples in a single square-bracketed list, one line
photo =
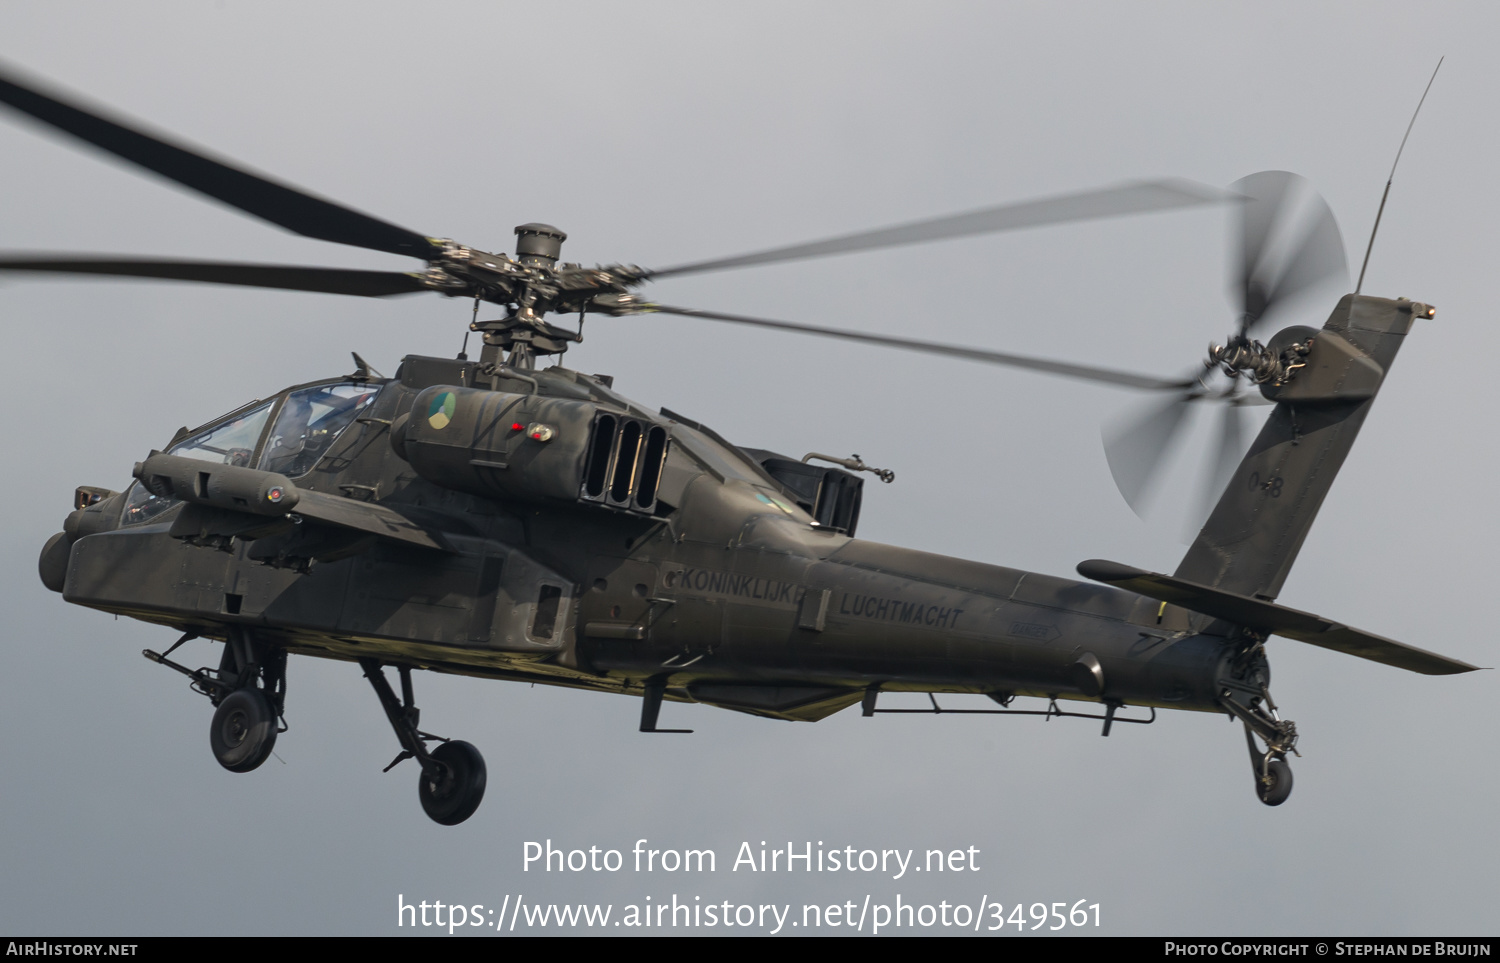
[(624, 463)]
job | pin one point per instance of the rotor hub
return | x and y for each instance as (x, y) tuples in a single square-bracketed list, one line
[(1266, 365), (539, 245)]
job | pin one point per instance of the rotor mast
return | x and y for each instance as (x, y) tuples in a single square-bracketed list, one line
[(523, 335), (531, 285)]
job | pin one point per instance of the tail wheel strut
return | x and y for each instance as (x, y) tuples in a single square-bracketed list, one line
[(1273, 774)]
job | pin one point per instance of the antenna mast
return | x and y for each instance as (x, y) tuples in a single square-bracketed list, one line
[(1387, 193)]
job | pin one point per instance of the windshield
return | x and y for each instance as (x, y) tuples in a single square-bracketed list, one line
[(309, 421), (231, 443)]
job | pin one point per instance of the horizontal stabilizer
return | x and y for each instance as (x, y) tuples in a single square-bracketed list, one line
[(1271, 618)]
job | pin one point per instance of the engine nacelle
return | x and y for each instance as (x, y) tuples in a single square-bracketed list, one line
[(532, 447)]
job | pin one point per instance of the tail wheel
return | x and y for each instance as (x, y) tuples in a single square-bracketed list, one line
[(1276, 786)]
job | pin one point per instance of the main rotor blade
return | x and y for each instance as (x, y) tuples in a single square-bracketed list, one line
[(293, 209), (1107, 202), (1085, 372), (370, 284)]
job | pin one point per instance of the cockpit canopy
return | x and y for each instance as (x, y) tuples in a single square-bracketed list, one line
[(304, 422), (308, 421)]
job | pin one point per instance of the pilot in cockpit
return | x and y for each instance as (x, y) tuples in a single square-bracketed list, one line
[(291, 449)]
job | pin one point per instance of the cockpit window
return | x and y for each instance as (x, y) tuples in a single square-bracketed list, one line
[(142, 506), (231, 443), (307, 424), (309, 421)]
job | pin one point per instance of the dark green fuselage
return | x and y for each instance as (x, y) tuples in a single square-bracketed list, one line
[(727, 592)]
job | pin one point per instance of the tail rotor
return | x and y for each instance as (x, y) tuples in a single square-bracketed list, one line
[(1287, 244)]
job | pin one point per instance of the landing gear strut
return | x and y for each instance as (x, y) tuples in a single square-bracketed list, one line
[(451, 785), (248, 691), (1244, 692), (243, 731)]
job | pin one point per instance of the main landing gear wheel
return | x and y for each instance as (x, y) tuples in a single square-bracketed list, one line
[(1276, 785), (452, 781), (243, 730), (453, 796)]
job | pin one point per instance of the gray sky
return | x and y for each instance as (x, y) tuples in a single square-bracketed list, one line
[(661, 133)]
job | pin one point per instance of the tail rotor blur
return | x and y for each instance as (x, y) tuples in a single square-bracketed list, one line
[(1289, 244), (1286, 244)]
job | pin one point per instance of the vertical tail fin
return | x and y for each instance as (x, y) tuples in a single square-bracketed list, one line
[(1257, 528)]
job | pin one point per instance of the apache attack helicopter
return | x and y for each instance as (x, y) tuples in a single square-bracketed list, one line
[(496, 519)]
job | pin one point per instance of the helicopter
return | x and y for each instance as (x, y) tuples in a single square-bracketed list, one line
[(496, 518)]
